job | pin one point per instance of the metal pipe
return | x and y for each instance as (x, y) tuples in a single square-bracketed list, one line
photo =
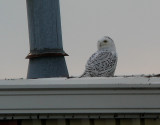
[(46, 57)]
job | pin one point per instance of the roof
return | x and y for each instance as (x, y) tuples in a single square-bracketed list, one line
[(80, 95)]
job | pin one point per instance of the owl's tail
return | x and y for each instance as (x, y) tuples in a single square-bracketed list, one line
[(85, 74)]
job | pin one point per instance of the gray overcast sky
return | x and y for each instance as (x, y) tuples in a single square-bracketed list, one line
[(132, 24)]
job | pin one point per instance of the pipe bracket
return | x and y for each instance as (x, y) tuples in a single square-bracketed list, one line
[(45, 53)]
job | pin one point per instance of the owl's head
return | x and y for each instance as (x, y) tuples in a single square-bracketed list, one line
[(105, 43)]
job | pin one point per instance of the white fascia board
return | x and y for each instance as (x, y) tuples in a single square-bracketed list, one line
[(80, 95)]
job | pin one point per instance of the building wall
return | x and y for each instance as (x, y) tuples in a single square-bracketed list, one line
[(96, 101)]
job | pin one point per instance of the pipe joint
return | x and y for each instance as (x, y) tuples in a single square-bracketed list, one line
[(46, 53)]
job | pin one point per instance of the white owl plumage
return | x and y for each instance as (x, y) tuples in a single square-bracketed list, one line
[(103, 62)]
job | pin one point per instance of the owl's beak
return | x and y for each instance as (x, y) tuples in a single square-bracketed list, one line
[(100, 44)]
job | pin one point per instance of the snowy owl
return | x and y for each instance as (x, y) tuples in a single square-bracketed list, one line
[(103, 62)]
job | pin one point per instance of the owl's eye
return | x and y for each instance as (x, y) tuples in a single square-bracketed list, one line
[(105, 41)]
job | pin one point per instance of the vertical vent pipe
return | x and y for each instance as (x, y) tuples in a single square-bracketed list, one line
[(46, 57)]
